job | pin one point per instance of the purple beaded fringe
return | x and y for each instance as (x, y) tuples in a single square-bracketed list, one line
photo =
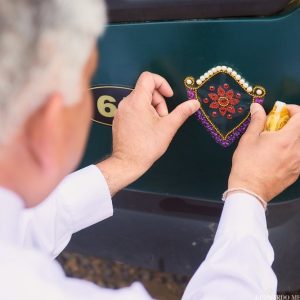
[(217, 137)]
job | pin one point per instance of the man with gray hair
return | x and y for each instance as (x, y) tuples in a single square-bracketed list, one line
[(47, 57)]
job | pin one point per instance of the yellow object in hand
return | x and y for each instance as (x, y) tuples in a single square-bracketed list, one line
[(278, 117)]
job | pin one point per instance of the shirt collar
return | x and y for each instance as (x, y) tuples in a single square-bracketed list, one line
[(11, 207)]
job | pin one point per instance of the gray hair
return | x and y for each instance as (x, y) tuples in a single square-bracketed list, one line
[(44, 45)]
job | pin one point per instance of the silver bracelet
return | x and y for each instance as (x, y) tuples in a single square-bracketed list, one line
[(239, 189)]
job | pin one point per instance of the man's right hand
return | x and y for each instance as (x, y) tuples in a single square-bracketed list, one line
[(266, 163)]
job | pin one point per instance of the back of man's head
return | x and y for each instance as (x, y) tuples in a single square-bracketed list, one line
[(44, 45)]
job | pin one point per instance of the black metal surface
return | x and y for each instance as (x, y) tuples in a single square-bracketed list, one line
[(153, 10), (175, 234)]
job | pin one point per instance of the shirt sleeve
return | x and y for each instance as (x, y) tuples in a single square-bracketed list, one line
[(81, 200), (238, 264)]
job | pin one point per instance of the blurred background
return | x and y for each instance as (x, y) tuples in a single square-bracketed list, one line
[(112, 274)]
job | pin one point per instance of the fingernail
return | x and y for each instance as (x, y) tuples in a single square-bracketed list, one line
[(254, 108), (195, 104)]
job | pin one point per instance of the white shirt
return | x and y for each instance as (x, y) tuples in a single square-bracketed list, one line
[(238, 265)]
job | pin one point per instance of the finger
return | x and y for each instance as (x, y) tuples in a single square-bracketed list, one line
[(162, 110), (258, 120), (293, 109), (149, 82), (159, 104), (181, 113), (293, 125)]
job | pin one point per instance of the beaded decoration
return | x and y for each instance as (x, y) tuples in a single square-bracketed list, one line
[(225, 98)]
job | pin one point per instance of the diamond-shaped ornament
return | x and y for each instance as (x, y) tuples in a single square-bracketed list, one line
[(225, 98)]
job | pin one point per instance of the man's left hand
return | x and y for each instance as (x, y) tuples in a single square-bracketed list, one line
[(143, 130)]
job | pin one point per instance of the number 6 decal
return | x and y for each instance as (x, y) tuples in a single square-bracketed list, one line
[(106, 101), (106, 106)]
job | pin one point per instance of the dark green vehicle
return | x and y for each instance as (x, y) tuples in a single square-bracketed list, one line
[(167, 219)]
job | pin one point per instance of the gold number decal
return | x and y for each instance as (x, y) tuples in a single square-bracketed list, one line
[(106, 106)]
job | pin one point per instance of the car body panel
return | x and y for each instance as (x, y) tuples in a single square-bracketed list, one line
[(265, 51), (167, 220)]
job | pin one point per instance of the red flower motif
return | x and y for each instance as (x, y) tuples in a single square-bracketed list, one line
[(224, 101)]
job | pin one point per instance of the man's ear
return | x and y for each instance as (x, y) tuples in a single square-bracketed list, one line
[(45, 133)]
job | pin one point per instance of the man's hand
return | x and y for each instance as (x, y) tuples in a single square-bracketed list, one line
[(267, 162), (142, 130)]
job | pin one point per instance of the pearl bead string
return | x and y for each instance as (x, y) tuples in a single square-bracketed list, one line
[(230, 71)]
